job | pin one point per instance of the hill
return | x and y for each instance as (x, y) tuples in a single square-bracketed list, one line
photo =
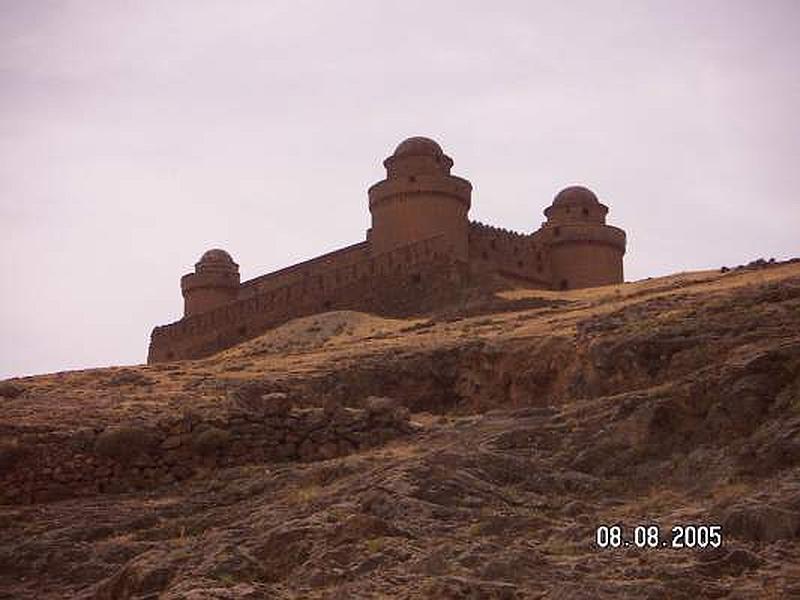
[(478, 452)]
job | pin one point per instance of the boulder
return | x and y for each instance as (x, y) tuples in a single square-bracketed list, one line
[(380, 405), (10, 390), (252, 401), (385, 410), (125, 443), (761, 522), (732, 563)]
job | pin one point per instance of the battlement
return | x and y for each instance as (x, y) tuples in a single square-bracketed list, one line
[(510, 253), (498, 232), (320, 266)]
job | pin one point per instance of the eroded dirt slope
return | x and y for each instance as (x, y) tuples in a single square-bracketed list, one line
[(536, 418)]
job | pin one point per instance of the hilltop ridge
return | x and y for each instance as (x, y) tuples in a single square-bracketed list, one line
[(470, 452)]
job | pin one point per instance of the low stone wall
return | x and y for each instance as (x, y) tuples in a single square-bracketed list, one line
[(252, 428)]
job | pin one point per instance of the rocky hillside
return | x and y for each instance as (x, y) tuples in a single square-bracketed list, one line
[(472, 453)]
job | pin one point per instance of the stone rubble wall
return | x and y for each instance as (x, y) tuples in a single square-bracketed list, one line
[(47, 466)]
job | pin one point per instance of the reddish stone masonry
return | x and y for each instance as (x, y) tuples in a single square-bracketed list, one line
[(420, 250)]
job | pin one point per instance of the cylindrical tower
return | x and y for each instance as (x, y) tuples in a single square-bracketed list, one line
[(419, 199), (215, 282), (584, 251)]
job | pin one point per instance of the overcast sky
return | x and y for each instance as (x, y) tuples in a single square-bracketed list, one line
[(134, 135)]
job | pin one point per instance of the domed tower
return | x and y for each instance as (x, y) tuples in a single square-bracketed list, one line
[(584, 251), (419, 199), (215, 282)]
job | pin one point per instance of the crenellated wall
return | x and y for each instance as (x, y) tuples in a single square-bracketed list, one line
[(315, 272), (516, 255), (398, 282)]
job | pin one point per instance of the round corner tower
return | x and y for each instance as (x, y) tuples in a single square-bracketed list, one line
[(584, 251), (215, 282), (419, 199)]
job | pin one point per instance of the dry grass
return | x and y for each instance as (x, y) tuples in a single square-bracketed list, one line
[(376, 545), (331, 341), (559, 547), (731, 491), (305, 494), (317, 331)]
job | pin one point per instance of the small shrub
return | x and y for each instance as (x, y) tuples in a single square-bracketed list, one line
[(305, 494), (10, 390), (124, 443), (10, 452), (82, 440), (376, 545), (128, 377), (210, 440), (226, 579)]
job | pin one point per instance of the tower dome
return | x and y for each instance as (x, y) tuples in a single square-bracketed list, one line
[(215, 260), (216, 255), (418, 146), (575, 194), (417, 155), (576, 203)]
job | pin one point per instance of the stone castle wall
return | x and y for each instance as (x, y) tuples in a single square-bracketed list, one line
[(512, 254), (322, 270), (419, 253), (395, 283)]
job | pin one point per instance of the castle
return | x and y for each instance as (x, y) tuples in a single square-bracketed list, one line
[(420, 252)]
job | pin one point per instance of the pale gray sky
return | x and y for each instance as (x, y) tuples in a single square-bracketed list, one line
[(134, 135)]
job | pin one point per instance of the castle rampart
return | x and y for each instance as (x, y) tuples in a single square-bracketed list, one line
[(322, 267), (512, 254), (420, 252)]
